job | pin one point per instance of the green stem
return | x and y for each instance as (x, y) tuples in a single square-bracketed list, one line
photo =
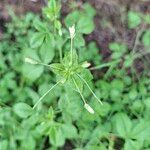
[(90, 89), (71, 50), (105, 65), (84, 101), (40, 63), (45, 94)]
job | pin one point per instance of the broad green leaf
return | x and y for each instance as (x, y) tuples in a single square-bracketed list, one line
[(132, 145), (79, 41), (72, 18), (85, 25), (40, 26), (4, 144), (118, 49), (134, 19), (56, 136), (70, 59), (146, 38), (102, 110), (28, 143), (147, 102), (30, 71), (69, 131), (141, 130), (86, 75), (89, 10), (123, 125), (47, 52), (22, 110), (37, 39)]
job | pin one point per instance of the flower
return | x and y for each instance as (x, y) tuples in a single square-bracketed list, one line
[(31, 61), (88, 108), (72, 31)]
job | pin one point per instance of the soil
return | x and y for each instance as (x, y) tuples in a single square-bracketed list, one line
[(110, 21)]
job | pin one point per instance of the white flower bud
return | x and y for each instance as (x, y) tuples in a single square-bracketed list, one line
[(86, 64), (72, 31), (31, 61), (88, 108)]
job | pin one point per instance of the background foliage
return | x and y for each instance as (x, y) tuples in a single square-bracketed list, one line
[(122, 122)]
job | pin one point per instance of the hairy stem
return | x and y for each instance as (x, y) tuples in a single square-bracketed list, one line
[(84, 101), (45, 94), (90, 89), (105, 65)]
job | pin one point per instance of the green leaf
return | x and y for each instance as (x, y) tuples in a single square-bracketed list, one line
[(147, 102), (118, 49), (89, 10), (85, 25), (37, 39), (134, 19), (56, 136), (40, 26), (68, 59), (79, 41), (72, 18), (47, 52), (122, 125), (146, 38), (132, 145), (4, 145), (141, 130), (86, 75), (29, 71), (69, 131), (58, 69), (22, 110)]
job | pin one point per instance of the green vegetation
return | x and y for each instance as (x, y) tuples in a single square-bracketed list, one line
[(49, 96)]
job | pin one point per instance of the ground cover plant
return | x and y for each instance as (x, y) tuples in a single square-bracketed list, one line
[(57, 92)]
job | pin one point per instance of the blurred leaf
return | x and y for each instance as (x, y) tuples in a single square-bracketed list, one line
[(56, 136), (85, 27), (37, 39), (134, 19), (22, 110), (47, 52), (132, 145), (123, 125), (146, 38), (69, 131)]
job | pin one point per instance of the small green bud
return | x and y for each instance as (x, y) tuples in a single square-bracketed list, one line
[(88, 108)]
